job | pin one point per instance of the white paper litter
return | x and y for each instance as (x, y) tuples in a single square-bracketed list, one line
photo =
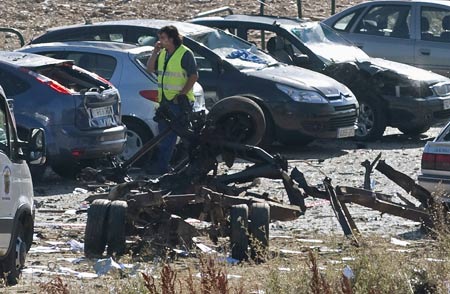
[(398, 242)]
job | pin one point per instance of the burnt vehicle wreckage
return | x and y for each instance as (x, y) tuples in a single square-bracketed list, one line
[(155, 209)]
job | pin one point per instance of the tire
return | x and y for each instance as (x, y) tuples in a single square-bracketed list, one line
[(116, 227), (13, 263), (67, 170), (37, 172), (137, 136), (239, 234), (371, 120), (414, 131), (95, 232), (259, 230), (239, 119)]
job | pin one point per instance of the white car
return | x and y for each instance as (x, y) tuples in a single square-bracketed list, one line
[(124, 66), (16, 192), (435, 174), (415, 32)]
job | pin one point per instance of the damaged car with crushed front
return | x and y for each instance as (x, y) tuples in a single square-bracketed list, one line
[(389, 93)]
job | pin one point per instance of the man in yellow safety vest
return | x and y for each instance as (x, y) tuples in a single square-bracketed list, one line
[(177, 73)]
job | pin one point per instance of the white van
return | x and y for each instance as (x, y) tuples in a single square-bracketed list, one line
[(16, 192)]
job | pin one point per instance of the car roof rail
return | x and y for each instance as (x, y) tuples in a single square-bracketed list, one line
[(215, 11), (16, 32)]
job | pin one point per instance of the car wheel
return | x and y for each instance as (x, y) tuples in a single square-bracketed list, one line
[(14, 262), (116, 227), (67, 170), (238, 119), (239, 232), (259, 230), (37, 172), (414, 131), (95, 232), (137, 136), (371, 120)]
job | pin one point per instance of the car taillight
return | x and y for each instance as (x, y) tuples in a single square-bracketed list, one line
[(49, 82), (428, 161), (151, 95), (436, 161), (443, 161)]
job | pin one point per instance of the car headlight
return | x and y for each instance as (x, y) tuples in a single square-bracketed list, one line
[(441, 89), (302, 95)]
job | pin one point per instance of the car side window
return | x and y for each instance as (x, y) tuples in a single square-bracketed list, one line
[(12, 85), (203, 64), (347, 21), (435, 24), (101, 64), (4, 138), (260, 37), (386, 20)]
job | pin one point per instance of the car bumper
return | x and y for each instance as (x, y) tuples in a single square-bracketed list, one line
[(407, 112), (315, 120), (436, 184), (72, 144)]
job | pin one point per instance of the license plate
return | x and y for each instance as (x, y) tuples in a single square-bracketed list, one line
[(446, 104), (346, 132), (102, 111)]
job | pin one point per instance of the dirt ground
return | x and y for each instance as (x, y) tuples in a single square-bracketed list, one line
[(57, 225)]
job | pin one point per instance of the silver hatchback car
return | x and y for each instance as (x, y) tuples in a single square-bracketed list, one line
[(413, 32), (124, 66)]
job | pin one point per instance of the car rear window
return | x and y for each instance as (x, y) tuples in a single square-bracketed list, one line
[(101, 64)]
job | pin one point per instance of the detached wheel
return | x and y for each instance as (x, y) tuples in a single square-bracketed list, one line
[(414, 131), (239, 234), (371, 120), (14, 262), (239, 119), (137, 136), (259, 230), (116, 227), (95, 233)]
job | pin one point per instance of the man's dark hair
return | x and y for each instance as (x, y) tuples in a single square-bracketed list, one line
[(172, 33)]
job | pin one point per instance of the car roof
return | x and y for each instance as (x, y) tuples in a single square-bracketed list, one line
[(98, 45), (20, 59), (442, 2), (183, 27), (256, 19)]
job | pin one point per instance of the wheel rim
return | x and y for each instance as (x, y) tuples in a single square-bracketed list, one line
[(134, 143), (366, 120), (236, 127)]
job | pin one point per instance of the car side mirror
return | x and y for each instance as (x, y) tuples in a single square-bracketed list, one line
[(35, 149), (301, 59)]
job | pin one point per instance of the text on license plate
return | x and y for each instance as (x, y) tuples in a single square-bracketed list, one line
[(446, 104), (346, 132), (102, 111)]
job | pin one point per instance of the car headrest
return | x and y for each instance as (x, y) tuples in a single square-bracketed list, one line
[(424, 24), (446, 23)]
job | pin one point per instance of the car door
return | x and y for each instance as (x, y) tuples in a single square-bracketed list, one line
[(386, 31), (433, 42)]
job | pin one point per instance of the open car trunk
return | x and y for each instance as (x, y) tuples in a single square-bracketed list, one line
[(97, 102)]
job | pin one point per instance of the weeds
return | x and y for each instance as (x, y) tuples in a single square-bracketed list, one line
[(54, 286)]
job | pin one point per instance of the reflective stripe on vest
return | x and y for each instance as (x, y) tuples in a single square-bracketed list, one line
[(172, 80)]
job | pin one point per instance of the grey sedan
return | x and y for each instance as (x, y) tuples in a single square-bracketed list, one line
[(412, 32)]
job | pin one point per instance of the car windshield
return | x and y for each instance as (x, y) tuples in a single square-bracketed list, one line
[(326, 43), (237, 52)]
